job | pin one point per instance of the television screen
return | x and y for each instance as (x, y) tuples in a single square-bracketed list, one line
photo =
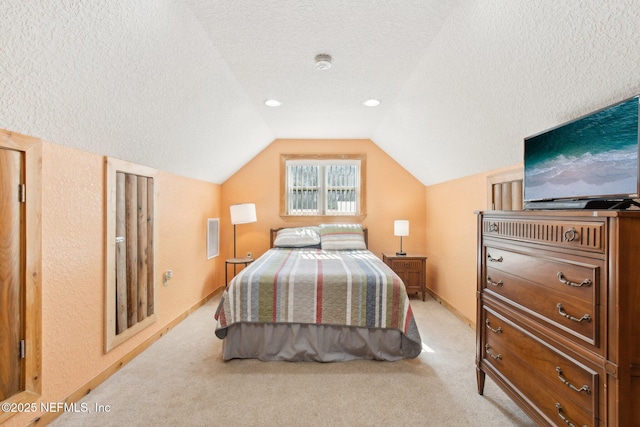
[(595, 156)]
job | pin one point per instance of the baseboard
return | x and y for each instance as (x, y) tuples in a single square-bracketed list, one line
[(452, 309), (86, 388)]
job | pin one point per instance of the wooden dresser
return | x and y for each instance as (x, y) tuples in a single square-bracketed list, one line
[(558, 319)]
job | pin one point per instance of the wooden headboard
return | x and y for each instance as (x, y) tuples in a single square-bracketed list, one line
[(274, 231)]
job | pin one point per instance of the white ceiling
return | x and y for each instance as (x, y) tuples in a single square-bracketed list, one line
[(270, 47), (179, 85)]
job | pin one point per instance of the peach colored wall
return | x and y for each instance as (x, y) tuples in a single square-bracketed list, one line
[(442, 226), (451, 238), (73, 265), (392, 193)]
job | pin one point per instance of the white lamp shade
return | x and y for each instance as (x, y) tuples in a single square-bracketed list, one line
[(243, 213), (400, 227)]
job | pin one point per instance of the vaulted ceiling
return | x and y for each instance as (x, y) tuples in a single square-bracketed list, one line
[(180, 85)]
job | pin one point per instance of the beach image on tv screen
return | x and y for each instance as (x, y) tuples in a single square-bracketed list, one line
[(595, 156)]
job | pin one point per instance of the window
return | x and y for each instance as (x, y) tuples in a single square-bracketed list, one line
[(131, 233), (323, 185)]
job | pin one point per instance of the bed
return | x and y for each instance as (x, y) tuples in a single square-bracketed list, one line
[(317, 295)]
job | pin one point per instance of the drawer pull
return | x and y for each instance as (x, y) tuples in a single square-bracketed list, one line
[(586, 317), (498, 356), (492, 259), (570, 235), (562, 279), (490, 282), (584, 388), (565, 419), (497, 331)]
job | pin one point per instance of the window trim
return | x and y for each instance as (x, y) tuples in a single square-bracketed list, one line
[(324, 157)]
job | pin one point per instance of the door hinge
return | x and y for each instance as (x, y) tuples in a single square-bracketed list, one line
[(23, 193), (23, 351)]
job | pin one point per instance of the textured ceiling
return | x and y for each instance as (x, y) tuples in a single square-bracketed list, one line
[(270, 49), (179, 85)]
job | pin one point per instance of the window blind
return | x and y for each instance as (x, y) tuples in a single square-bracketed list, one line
[(323, 187)]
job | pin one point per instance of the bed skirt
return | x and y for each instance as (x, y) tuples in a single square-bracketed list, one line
[(319, 343)]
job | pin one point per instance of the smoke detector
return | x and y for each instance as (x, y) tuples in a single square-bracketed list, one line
[(323, 61)]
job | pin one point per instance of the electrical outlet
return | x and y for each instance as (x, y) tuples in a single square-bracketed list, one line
[(168, 275), (248, 254)]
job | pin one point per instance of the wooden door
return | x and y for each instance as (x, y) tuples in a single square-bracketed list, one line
[(11, 267)]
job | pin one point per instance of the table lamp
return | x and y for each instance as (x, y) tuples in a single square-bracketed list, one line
[(401, 228), (242, 213)]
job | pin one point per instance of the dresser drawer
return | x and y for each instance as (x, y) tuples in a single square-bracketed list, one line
[(563, 293), (557, 384), (580, 279), (576, 318), (406, 264), (584, 235)]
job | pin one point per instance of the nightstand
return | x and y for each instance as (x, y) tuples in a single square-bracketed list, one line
[(412, 270), (235, 261)]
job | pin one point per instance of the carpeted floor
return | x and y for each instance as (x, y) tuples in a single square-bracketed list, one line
[(181, 380)]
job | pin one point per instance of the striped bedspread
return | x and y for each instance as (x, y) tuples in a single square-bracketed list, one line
[(312, 286)]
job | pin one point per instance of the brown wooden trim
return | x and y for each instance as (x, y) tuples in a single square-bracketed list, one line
[(94, 382), (363, 185)]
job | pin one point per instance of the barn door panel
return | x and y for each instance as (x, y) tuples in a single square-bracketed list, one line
[(130, 291), (134, 249)]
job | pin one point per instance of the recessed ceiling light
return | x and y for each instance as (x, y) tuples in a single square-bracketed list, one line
[(323, 61), (272, 103), (371, 102)]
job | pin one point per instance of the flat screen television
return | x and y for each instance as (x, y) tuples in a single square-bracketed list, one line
[(589, 162)]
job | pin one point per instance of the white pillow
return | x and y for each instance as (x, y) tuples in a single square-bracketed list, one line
[(297, 237)]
